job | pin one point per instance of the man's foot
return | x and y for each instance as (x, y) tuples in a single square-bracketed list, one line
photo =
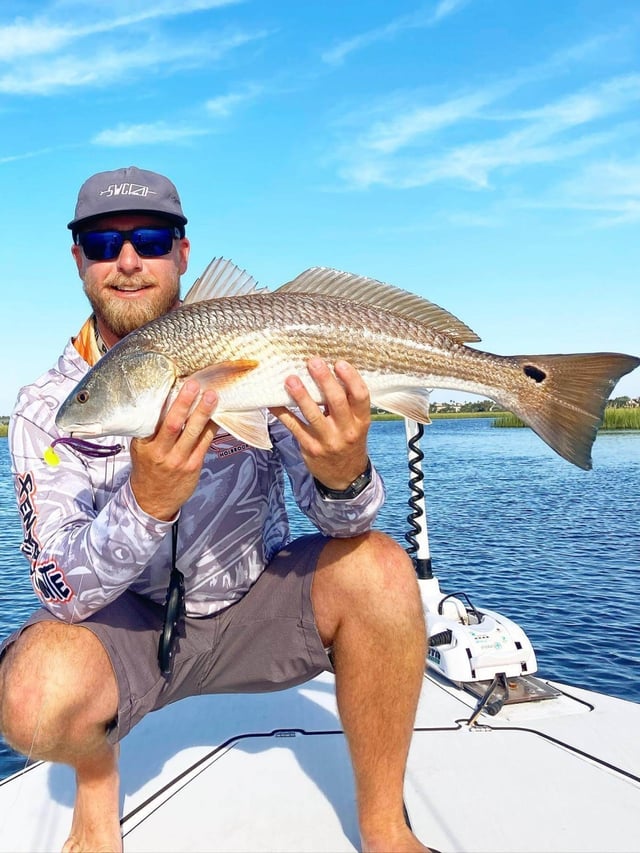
[(402, 841)]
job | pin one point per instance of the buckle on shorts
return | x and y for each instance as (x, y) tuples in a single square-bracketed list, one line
[(174, 609)]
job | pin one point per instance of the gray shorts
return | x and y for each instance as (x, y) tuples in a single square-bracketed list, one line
[(266, 641)]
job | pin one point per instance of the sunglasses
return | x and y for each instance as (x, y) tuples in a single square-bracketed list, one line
[(174, 609), (148, 242)]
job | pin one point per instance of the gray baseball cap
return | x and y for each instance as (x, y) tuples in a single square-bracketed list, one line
[(127, 190)]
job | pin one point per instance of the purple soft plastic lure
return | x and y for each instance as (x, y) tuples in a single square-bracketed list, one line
[(87, 448)]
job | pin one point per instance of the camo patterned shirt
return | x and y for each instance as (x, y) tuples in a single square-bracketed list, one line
[(87, 540)]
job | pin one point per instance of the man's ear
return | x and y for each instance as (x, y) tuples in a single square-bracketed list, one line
[(183, 249), (78, 257)]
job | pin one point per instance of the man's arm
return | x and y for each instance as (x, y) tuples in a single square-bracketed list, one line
[(85, 551)]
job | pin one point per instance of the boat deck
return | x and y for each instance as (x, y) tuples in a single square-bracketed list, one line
[(271, 772)]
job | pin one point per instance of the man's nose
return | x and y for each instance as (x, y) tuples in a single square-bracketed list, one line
[(128, 259)]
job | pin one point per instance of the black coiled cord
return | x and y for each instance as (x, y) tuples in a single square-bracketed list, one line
[(416, 498)]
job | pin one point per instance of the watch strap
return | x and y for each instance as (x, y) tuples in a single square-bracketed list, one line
[(353, 489)]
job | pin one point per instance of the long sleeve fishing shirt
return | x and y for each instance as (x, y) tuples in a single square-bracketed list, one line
[(87, 540)]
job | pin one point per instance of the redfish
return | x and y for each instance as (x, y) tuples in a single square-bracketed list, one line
[(244, 345)]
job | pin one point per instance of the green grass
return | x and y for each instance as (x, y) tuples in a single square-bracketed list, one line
[(621, 419), (613, 419), (441, 415), (436, 416), (508, 420)]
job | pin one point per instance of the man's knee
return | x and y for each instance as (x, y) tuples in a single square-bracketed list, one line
[(55, 679), (372, 559), (369, 575)]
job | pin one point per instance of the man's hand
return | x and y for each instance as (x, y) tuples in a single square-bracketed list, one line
[(165, 468), (333, 441)]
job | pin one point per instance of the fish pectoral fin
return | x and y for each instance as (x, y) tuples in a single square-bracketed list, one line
[(408, 402), (250, 427), (223, 373)]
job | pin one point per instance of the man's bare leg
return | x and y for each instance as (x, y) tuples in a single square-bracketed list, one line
[(57, 695), (367, 606)]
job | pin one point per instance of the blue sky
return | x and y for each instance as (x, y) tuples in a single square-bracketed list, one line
[(483, 153)]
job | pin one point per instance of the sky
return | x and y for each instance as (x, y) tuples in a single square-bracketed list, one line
[(482, 153)]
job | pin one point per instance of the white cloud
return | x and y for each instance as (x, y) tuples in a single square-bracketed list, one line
[(100, 69), (223, 106), (12, 158), (22, 39), (416, 20), (610, 188), (448, 7), (47, 76), (412, 148), (44, 34), (390, 135), (146, 134), (46, 55)]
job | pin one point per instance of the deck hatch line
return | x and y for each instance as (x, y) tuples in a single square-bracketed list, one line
[(223, 747)]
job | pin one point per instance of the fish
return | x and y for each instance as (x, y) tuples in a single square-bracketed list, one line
[(243, 341)]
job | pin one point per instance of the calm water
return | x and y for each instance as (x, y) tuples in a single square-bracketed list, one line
[(520, 530)]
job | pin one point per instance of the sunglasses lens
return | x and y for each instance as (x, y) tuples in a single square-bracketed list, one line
[(152, 242), (107, 245), (101, 245)]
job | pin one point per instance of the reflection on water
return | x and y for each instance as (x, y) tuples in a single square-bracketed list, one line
[(520, 530)]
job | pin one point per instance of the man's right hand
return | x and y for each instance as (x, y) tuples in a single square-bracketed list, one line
[(165, 468)]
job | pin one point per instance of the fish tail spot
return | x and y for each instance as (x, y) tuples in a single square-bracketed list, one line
[(534, 373)]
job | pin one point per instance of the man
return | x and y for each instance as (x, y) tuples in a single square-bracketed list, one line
[(99, 534)]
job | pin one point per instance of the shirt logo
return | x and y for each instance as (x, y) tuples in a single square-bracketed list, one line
[(224, 445), (47, 578)]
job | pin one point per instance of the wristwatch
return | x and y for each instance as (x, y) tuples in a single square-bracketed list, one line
[(353, 489)]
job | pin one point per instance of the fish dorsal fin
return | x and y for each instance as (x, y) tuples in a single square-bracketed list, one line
[(222, 278), (359, 288)]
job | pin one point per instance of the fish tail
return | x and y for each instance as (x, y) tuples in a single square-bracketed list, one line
[(566, 398)]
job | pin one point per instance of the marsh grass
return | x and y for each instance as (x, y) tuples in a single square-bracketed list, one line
[(613, 419)]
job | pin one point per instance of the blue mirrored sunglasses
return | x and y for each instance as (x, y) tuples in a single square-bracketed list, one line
[(148, 242)]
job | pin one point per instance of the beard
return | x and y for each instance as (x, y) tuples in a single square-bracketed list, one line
[(122, 316)]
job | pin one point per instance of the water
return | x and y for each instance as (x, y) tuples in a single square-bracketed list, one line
[(510, 523)]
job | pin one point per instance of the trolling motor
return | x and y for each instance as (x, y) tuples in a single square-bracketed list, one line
[(467, 644)]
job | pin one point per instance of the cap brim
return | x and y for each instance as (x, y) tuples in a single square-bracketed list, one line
[(75, 224)]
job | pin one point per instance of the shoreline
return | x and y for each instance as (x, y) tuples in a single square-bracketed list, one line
[(510, 420)]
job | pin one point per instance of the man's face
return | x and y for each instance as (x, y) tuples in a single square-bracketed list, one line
[(129, 290)]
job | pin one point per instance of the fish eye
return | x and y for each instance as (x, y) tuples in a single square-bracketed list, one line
[(82, 396)]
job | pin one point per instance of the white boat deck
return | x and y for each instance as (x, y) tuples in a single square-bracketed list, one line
[(271, 772)]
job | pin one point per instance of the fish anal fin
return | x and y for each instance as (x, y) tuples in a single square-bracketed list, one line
[(250, 427), (223, 373), (408, 402)]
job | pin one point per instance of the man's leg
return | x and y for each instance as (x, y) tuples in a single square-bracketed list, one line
[(58, 694), (367, 607)]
